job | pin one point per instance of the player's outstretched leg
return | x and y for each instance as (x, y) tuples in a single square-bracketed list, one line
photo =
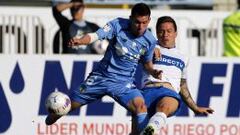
[(149, 130), (155, 123), (164, 108), (52, 118)]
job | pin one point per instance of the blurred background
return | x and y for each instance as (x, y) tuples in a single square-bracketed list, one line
[(33, 26)]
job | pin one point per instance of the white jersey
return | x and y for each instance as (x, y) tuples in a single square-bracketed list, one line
[(174, 67)]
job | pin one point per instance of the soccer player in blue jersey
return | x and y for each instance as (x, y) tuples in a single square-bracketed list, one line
[(163, 96), (129, 42)]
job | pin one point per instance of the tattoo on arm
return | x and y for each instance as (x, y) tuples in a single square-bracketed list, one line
[(186, 96)]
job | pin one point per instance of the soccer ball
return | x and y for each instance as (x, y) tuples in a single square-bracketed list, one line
[(58, 103)]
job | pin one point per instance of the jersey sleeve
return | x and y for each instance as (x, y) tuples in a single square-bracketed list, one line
[(108, 31)]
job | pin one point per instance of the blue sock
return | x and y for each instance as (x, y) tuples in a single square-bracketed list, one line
[(142, 121)]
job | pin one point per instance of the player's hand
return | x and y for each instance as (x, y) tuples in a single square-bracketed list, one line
[(157, 74), (204, 111), (157, 53), (73, 42)]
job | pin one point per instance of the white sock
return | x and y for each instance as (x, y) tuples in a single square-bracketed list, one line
[(158, 120)]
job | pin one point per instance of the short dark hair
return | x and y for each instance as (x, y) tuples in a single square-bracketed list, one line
[(74, 9), (141, 9), (77, 1), (164, 19)]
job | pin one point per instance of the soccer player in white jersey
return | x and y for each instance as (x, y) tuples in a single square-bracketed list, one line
[(163, 96), (129, 41)]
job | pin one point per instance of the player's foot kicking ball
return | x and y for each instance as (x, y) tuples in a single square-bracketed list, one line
[(51, 119), (149, 130)]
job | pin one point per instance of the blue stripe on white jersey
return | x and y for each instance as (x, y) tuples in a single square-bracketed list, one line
[(170, 61)]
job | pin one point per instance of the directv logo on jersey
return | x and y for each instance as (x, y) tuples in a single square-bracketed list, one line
[(170, 61)]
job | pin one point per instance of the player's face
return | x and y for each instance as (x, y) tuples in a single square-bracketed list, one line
[(139, 24), (166, 34), (78, 12)]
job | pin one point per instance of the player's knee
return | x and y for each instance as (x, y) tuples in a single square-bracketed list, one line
[(165, 108), (141, 107), (138, 105)]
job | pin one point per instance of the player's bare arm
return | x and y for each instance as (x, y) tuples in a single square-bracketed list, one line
[(84, 40), (154, 72), (157, 53), (187, 98)]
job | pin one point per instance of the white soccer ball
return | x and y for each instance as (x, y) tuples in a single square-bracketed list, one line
[(58, 103)]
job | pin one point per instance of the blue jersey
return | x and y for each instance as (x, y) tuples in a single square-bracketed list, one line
[(124, 50)]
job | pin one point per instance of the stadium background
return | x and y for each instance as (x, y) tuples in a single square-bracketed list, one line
[(30, 71)]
